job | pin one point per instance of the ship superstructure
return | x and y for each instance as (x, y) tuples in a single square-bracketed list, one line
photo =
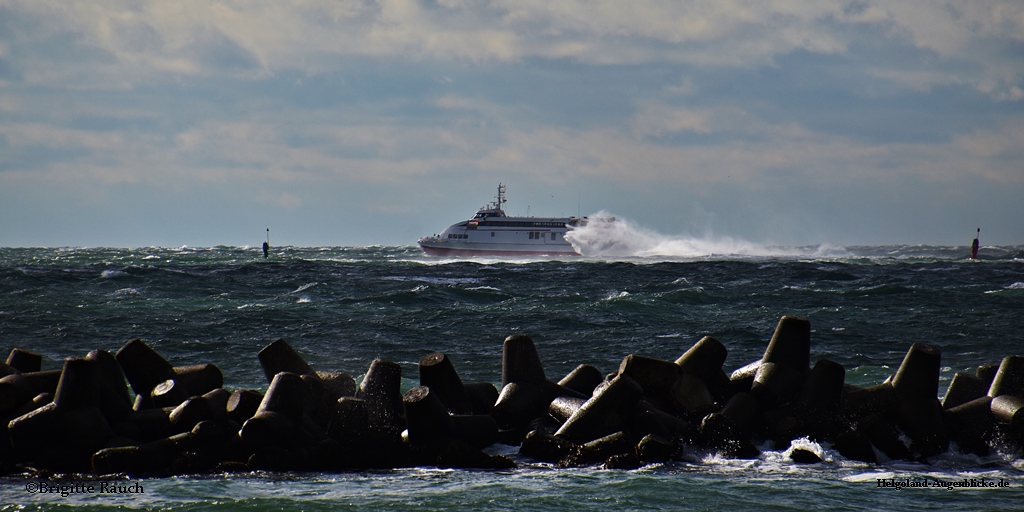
[(491, 232)]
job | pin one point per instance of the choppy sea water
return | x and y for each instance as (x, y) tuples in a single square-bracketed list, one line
[(342, 307)]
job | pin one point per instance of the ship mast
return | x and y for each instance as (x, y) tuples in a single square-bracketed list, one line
[(501, 197)]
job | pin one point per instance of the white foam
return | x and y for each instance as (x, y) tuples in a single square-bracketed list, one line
[(608, 236)]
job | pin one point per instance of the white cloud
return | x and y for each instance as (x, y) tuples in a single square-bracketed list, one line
[(131, 40), (315, 94)]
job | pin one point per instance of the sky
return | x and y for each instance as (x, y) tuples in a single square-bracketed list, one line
[(350, 122)]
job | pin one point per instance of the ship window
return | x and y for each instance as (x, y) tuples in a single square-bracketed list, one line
[(492, 233), (552, 236)]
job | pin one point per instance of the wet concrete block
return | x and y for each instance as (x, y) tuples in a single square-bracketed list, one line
[(286, 396), (520, 361), (218, 401), (476, 430), (111, 389), (879, 399), (438, 373), (654, 449), (338, 384), (971, 425), (199, 379), (608, 411), (24, 361), (562, 408), (279, 357), (186, 415), (987, 373), (76, 387), (1009, 378), (18, 389), (601, 449), (655, 376), (243, 404), (689, 395), (546, 447), (703, 358), (918, 374), (582, 379), (142, 366), (169, 393), (790, 345), (776, 385), (823, 389), (623, 461), (854, 445), (520, 402), (428, 418), (381, 389), (1009, 410), (962, 389)]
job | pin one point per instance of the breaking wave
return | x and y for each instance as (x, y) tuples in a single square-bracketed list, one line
[(608, 236)]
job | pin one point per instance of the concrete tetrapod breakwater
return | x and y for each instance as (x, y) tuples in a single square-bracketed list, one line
[(135, 413)]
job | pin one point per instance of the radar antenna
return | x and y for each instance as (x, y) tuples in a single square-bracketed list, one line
[(500, 197)]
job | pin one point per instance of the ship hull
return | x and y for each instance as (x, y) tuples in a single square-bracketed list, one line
[(450, 250), (493, 233)]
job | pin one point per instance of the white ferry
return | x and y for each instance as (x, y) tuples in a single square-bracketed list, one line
[(493, 233)]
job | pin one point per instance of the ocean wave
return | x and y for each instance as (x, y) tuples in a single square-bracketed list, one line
[(305, 287)]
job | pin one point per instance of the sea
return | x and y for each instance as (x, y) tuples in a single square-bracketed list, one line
[(341, 307)]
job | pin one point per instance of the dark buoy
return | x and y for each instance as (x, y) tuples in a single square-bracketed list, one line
[(266, 245), (974, 245)]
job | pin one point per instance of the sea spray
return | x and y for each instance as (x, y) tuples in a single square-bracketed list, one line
[(191, 306), (609, 236)]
